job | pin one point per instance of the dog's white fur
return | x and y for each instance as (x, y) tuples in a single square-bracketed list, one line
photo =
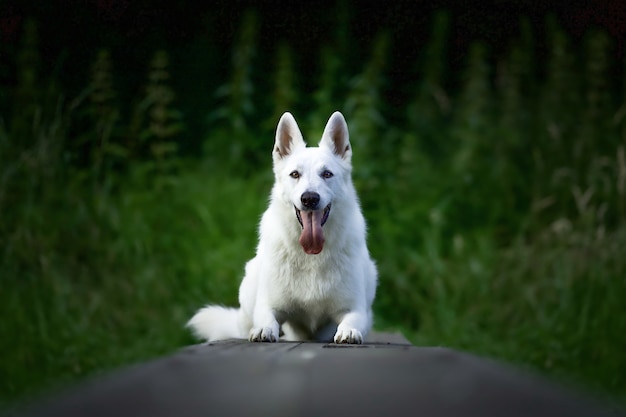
[(316, 288)]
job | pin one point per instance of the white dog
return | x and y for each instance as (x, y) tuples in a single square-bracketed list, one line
[(312, 277)]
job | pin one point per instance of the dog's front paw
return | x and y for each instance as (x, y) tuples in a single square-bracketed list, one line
[(351, 336), (263, 334)]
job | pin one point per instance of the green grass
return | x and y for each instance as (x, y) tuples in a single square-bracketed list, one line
[(112, 277), (495, 208)]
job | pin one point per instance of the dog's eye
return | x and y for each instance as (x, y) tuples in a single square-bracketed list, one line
[(327, 174), (295, 174)]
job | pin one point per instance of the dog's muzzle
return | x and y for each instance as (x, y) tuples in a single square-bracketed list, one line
[(312, 221), (324, 215)]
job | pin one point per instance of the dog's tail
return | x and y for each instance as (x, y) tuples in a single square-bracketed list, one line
[(218, 323)]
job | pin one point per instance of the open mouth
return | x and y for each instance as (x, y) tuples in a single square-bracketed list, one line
[(324, 215), (312, 237)]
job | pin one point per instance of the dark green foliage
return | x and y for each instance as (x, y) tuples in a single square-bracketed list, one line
[(495, 200), (231, 119), (431, 104), (284, 96)]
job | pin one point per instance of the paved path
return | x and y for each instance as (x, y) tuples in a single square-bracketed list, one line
[(385, 377)]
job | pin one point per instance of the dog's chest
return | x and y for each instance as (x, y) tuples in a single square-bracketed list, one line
[(308, 287)]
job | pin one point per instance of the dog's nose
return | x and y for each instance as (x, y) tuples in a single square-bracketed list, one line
[(310, 199)]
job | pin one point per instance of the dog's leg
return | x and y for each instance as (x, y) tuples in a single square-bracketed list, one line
[(353, 325), (265, 326)]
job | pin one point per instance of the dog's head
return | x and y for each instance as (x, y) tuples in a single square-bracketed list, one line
[(312, 179)]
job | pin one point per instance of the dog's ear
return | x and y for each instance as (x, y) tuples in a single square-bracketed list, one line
[(288, 136), (336, 136)]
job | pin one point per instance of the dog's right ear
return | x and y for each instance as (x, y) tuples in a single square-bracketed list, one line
[(288, 137)]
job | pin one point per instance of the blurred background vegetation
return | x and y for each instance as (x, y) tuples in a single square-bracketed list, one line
[(134, 166)]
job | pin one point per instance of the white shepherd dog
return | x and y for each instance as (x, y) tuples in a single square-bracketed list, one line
[(312, 277)]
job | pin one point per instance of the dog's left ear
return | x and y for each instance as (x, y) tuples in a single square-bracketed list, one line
[(336, 136)]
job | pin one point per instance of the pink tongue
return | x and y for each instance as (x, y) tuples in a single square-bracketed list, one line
[(312, 237)]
